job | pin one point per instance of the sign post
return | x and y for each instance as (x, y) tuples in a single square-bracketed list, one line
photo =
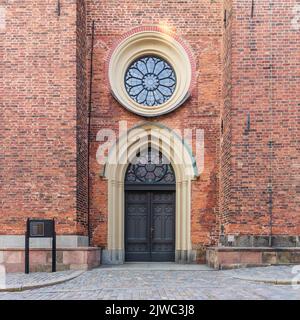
[(38, 228)]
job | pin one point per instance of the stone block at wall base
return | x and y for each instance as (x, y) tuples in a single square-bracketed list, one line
[(83, 258), (238, 257)]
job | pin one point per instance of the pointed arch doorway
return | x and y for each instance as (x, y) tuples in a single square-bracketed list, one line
[(184, 166), (150, 214)]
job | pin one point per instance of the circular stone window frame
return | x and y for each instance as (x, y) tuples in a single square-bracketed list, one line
[(166, 63), (151, 42)]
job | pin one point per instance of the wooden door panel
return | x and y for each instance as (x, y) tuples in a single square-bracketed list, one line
[(137, 240), (163, 224), (150, 226)]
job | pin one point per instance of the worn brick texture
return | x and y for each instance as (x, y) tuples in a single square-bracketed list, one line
[(260, 142), (199, 23), (246, 100), (39, 120)]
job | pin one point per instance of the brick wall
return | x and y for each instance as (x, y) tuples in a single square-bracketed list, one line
[(264, 109), (199, 23), (246, 99), (225, 115), (38, 114), (82, 117)]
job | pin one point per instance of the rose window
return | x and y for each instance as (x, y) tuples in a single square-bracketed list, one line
[(150, 81)]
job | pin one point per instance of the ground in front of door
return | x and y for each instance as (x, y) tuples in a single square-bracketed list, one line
[(170, 281)]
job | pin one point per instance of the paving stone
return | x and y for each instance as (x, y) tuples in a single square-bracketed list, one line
[(140, 284)]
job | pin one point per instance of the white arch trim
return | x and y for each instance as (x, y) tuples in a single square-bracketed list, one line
[(184, 165)]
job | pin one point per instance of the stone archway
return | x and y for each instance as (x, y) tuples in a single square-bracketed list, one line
[(172, 146)]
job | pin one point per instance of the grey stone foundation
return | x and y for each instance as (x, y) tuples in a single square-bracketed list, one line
[(241, 257), (113, 257), (67, 241), (260, 241), (185, 256)]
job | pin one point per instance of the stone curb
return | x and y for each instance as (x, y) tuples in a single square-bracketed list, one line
[(42, 284), (272, 281)]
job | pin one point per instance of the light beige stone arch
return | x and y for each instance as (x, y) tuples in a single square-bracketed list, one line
[(184, 165)]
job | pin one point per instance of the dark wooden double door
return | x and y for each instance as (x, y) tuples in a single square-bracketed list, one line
[(150, 226)]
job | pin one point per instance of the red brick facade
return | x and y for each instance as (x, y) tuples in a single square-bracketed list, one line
[(260, 143), (38, 115), (201, 111), (245, 98)]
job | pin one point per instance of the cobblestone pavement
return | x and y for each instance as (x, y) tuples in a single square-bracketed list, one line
[(186, 284), (21, 281), (273, 274)]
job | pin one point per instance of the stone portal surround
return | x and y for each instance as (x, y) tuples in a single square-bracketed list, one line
[(185, 168)]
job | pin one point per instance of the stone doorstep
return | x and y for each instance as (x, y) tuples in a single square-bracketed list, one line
[(31, 286)]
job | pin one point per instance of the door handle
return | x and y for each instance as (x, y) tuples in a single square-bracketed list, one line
[(152, 230)]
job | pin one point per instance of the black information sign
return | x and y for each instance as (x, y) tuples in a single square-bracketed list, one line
[(38, 228)]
